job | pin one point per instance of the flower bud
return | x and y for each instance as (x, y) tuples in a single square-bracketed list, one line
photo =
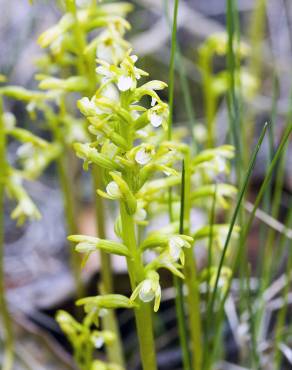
[(99, 338), (75, 83), (225, 151), (127, 195), (90, 244), (67, 323), (87, 153), (222, 191), (87, 107), (20, 93), (109, 301), (218, 231), (9, 120), (50, 35), (113, 190)]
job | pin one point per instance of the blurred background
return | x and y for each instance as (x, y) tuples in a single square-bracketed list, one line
[(38, 278)]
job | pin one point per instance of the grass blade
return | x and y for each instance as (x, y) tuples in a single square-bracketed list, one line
[(172, 68), (235, 214), (179, 299)]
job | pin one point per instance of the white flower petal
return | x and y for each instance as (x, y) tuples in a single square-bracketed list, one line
[(134, 58), (147, 292), (113, 190), (156, 119), (111, 92), (142, 156), (82, 3), (176, 242), (125, 83), (98, 342), (221, 164), (102, 70), (9, 120), (135, 114), (142, 133), (140, 214), (104, 52), (175, 252), (25, 150)]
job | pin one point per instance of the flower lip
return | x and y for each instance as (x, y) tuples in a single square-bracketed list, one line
[(147, 291), (125, 83), (98, 342), (113, 190), (140, 214), (144, 155), (156, 120), (134, 58)]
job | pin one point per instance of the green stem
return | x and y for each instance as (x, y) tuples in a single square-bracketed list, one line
[(109, 321), (257, 34), (68, 200), (179, 299), (143, 314), (255, 362), (267, 201), (181, 322), (255, 65), (191, 278), (7, 323), (233, 98), (210, 261), (67, 194), (106, 275), (172, 68), (184, 84), (205, 63)]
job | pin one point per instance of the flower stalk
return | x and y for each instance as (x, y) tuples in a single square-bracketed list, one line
[(6, 319), (143, 315), (191, 276)]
